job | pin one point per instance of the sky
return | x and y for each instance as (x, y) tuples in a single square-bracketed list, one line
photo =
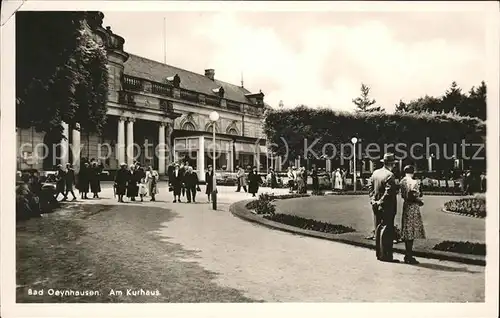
[(318, 59)]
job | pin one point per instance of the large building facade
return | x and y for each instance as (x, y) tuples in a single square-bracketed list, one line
[(157, 114)]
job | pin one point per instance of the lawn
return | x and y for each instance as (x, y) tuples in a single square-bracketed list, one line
[(99, 248), (355, 211)]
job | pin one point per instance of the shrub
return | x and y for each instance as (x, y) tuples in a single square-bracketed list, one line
[(309, 224), (474, 206), (462, 247), (290, 196), (263, 205)]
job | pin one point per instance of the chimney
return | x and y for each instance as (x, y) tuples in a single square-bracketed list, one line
[(210, 73)]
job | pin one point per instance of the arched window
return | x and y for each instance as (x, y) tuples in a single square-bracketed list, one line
[(232, 131), (188, 126)]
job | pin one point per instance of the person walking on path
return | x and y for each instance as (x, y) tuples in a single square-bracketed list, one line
[(272, 178), (291, 179), (132, 187), (315, 180), (242, 180), (412, 227), (254, 180), (61, 182), (95, 182), (192, 184), (121, 180), (238, 185), (382, 191), (152, 177), (70, 181), (209, 179), (84, 180), (141, 181), (299, 179), (337, 180), (183, 169), (176, 182)]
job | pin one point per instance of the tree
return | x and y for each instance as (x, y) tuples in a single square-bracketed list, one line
[(364, 103), (61, 72), (453, 100), (401, 107), (475, 104), (424, 104)]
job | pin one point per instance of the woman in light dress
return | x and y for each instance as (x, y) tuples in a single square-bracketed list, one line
[(337, 180), (151, 181), (300, 180), (412, 227)]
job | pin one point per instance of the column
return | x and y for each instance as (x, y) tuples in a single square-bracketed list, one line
[(200, 159), (429, 163), (161, 149), (75, 148), (120, 144), (230, 166), (65, 145), (280, 163), (130, 141), (328, 165), (169, 128), (372, 166)]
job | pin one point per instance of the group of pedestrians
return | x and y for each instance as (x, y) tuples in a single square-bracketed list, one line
[(136, 181), (183, 181), (383, 192), (89, 179), (297, 179), (253, 179)]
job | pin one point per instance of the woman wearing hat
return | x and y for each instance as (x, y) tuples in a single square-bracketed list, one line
[(121, 179), (412, 226)]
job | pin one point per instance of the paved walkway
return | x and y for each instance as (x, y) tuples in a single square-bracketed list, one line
[(282, 267)]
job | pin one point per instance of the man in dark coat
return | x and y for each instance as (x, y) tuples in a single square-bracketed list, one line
[(84, 180), (70, 180), (132, 185), (95, 176), (191, 183), (209, 179), (382, 191), (183, 169), (254, 180), (121, 179), (175, 180)]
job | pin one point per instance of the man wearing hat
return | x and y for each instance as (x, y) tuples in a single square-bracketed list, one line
[(382, 191)]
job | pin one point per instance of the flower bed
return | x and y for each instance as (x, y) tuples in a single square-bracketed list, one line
[(462, 247), (309, 224), (474, 206), (365, 192), (264, 206)]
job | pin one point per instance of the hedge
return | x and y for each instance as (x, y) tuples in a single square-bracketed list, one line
[(328, 126)]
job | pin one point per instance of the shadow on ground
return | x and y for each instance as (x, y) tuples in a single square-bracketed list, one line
[(110, 248)]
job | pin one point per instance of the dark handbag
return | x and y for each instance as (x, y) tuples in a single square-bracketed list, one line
[(198, 188), (170, 188)]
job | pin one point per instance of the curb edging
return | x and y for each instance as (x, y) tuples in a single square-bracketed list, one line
[(239, 210)]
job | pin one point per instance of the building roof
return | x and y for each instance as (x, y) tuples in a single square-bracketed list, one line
[(155, 71)]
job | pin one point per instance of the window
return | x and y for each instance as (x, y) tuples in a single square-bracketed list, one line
[(232, 131), (188, 126)]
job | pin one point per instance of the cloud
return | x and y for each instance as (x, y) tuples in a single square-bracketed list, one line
[(321, 59)]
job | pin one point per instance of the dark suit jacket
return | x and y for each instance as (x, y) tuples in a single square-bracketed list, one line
[(383, 189), (176, 180)]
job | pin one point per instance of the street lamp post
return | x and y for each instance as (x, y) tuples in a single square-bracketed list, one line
[(214, 117), (354, 140)]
